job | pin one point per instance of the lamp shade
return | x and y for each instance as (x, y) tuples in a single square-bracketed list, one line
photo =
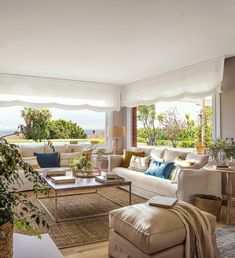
[(117, 131)]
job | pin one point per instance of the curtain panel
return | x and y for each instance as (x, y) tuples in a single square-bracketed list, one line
[(39, 92), (196, 81)]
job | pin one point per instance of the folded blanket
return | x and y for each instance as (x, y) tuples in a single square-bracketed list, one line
[(199, 243)]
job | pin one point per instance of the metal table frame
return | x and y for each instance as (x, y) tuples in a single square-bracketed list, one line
[(56, 196)]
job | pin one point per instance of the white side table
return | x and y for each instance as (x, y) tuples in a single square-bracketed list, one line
[(31, 247)]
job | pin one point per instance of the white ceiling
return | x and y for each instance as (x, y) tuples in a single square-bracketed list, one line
[(113, 41)]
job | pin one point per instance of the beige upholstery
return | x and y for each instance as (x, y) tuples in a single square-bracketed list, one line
[(58, 148), (171, 155), (157, 154), (199, 160), (121, 247), (157, 186), (152, 231), (186, 183), (29, 150)]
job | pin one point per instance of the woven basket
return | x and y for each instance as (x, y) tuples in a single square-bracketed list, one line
[(209, 203), (6, 241)]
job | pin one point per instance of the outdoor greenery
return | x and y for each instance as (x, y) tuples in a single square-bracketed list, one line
[(62, 129), (147, 115), (39, 126), (15, 206), (169, 129)]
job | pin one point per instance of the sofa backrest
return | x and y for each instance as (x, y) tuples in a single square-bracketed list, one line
[(28, 150), (139, 149), (171, 155), (199, 160)]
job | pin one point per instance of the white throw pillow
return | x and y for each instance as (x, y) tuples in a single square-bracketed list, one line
[(139, 163), (198, 159)]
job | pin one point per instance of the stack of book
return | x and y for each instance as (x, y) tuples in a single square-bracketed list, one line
[(63, 180), (222, 167), (163, 202), (105, 179), (49, 172)]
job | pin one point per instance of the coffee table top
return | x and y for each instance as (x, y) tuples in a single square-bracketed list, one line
[(83, 183)]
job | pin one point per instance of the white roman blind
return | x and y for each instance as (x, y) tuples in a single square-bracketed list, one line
[(38, 92), (195, 81)]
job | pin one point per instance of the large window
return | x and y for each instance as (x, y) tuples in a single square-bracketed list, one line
[(184, 124), (92, 123)]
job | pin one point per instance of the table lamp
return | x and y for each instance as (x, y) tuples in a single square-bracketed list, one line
[(117, 132)]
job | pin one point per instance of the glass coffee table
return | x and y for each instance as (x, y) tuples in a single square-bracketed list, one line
[(59, 190)]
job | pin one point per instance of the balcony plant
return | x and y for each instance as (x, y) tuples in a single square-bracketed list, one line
[(16, 209), (222, 150)]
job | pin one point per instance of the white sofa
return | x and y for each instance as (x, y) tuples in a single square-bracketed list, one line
[(27, 152), (191, 181)]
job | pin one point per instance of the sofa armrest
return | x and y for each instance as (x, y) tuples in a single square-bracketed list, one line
[(198, 181), (114, 161)]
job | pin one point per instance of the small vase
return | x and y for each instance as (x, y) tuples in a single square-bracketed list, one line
[(6, 240)]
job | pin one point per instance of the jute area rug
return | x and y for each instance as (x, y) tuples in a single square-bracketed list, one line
[(84, 231)]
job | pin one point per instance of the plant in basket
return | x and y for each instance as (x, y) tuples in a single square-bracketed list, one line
[(16, 209)]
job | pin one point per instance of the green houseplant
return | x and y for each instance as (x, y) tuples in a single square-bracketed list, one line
[(222, 150), (15, 207)]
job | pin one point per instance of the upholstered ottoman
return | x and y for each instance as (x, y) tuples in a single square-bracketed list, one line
[(141, 231)]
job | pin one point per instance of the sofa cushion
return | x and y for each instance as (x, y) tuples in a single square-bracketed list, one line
[(48, 160), (198, 159), (171, 155), (156, 185), (32, 161), (157, 154), (58, 148), (160, 169), (74, 148), (29, 149), (139, 163), (66, 157), (151, 229), (183, 162), (127, 157)]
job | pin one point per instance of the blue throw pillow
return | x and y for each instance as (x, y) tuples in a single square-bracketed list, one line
[(160, 169), (48, 160)]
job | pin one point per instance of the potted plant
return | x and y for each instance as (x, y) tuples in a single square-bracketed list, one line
[(83, 163), (223, 151), (16, 209)]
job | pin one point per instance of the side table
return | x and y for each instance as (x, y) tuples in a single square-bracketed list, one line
[(229, 172), (31, 247)]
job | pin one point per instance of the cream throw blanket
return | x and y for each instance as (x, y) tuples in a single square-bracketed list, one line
[(199, 242)]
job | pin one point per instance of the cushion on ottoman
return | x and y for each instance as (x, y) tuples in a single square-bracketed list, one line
[(151, 229)]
